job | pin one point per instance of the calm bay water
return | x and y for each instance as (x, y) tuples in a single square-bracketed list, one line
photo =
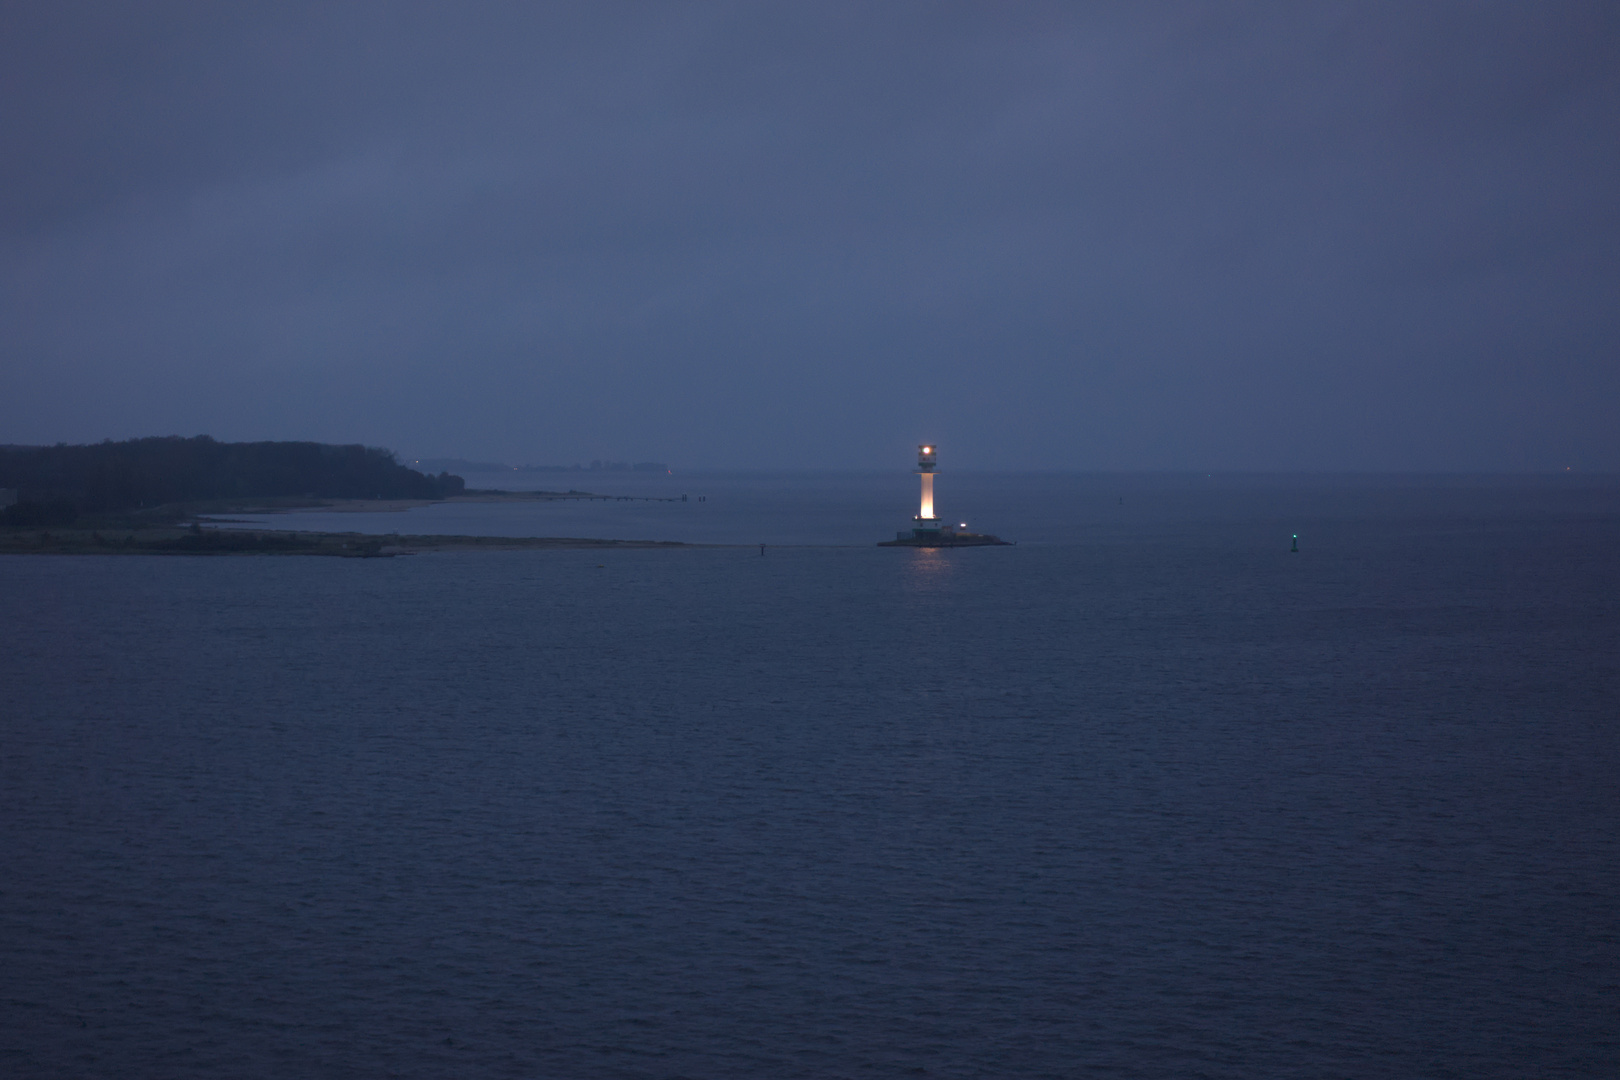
[(1146, 795)]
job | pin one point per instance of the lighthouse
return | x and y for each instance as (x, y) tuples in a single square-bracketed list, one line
[(926, 528), (926, 521)]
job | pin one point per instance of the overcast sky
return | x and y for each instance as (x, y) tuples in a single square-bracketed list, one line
[(1140, 235)]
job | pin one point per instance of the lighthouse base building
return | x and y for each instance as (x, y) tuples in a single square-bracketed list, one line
[(927, 530)]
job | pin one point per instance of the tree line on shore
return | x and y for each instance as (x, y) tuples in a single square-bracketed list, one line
[(57, 484)]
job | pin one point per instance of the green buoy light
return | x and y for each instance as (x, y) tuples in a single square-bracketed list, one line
[(1295, 548)]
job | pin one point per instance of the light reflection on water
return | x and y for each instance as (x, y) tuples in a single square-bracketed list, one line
[(929, 569)]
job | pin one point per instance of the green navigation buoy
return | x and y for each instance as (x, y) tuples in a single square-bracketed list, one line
[(1295, 548)]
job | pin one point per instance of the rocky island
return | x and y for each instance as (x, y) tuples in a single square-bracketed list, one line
[(944, 538)]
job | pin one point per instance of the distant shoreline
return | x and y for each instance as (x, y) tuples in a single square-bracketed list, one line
[(383, 506), (212, 541)]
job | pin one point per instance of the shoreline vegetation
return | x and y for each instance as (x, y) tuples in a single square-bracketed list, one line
[(55, 485), (153, 497)]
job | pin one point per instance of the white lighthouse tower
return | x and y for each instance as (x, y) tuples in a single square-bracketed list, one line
[(927, 522), (926, 528)]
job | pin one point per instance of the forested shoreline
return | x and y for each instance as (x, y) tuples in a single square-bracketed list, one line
[(56, 485)]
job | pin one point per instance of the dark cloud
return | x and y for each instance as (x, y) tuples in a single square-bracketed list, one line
[(1279, 236)]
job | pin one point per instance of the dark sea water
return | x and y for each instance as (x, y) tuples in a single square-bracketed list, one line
[(1145, 796)]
